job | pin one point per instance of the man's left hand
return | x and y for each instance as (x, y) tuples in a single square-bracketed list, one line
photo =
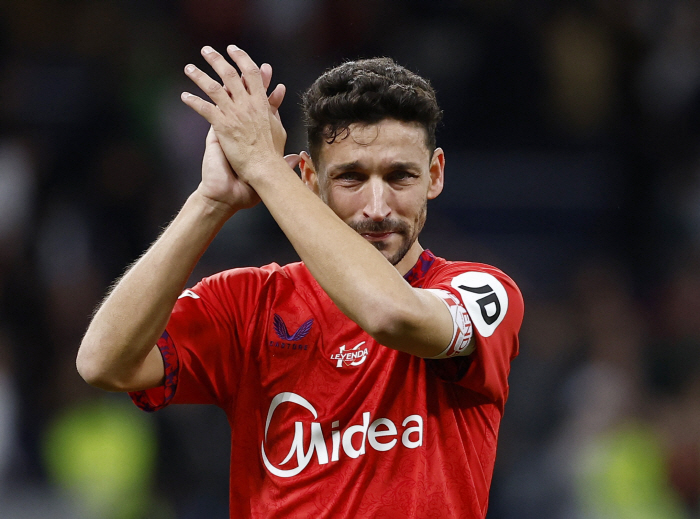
[(245, 120)]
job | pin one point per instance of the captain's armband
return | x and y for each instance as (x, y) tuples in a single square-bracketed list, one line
[(461, 343)]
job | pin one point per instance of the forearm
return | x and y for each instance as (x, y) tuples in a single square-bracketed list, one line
[(129, 322), (357, 277)]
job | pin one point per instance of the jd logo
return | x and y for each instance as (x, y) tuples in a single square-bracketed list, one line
[(485, 298), (488, 300)]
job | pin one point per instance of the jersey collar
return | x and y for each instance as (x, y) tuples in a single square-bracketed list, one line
[(420, 269)]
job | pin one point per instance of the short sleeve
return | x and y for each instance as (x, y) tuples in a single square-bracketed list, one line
[(495, 308), (156, 398), (205, 340)]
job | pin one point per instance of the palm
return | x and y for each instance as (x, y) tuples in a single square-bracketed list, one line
[(219, 182)]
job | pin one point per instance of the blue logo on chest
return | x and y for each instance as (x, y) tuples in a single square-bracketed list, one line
[(282, 333), (290, 341)]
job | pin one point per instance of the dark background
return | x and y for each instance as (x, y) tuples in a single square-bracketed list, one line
[(572, 136)]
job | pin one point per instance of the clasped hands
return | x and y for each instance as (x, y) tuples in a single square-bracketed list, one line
[(246, 133)]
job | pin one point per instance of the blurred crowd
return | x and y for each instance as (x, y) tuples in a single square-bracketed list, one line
[(572, 136)]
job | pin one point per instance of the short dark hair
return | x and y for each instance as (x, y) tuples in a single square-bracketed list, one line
[(367, 91)]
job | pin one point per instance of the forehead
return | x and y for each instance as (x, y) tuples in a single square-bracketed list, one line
[(374, 144)]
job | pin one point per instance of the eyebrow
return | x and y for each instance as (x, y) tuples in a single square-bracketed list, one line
[(407, 166), (348, 166), (357, 165)]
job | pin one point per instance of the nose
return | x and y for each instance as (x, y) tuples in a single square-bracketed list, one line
[(376, 207)]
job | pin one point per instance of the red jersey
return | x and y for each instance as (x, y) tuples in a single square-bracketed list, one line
[(325, 422)]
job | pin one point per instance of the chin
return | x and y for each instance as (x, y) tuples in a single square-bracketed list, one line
[(396, 258), (393, 255)]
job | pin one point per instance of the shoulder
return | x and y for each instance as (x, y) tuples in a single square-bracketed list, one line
[(443, 270), (251, 275), (488, 294), (240, 291), (243, 283)]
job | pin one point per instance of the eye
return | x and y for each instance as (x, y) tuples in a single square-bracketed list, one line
[(401, 176), (349, 176)]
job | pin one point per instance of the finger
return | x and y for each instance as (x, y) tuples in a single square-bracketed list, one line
[(203, 108), (227, 72), (249, 70), (212, 88), (276, 97), (293, 160), (266, 73)]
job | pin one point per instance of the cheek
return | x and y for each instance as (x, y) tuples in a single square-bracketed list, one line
[(412, 207), (342, 204)]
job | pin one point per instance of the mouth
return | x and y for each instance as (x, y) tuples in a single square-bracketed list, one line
[(376, 236)]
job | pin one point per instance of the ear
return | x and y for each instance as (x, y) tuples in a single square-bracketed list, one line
[(437, 173), (308, 172)]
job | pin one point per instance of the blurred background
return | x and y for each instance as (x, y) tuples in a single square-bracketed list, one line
[(572, 134)]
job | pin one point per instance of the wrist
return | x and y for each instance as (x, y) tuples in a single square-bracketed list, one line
[(266, 170), (211, 208)]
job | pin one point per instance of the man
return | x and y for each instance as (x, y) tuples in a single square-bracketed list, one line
[(367, 381)]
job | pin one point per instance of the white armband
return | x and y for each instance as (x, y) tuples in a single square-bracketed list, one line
[(461, 343)]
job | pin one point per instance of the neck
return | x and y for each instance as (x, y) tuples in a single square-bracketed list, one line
[(409, 259)]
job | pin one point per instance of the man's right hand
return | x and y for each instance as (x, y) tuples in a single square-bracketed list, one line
[(220, 185)]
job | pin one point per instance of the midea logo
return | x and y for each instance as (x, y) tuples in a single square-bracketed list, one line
[(381, 434)]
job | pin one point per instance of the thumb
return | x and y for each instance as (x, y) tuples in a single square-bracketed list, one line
[(211, 136), (293, 160)]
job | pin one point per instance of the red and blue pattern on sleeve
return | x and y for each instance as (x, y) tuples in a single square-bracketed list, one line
[(156, 398)]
